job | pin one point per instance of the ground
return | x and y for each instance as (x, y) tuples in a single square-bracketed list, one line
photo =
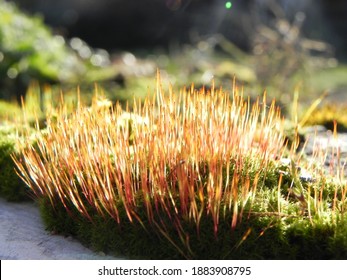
[(23, 237)]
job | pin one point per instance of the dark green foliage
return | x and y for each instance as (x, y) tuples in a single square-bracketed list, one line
[(56, 218), (317, 240), (338, 242), (12, 187)]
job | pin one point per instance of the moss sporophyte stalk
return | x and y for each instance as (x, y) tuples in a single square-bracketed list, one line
[(180, 175)]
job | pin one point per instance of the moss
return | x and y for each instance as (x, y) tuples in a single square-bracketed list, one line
[(261, 234), (196, 219), (338, 243), (315, 241), (256, 237), (327, 114), (9, 110), (56, 219), (104, 234), (12, 187)]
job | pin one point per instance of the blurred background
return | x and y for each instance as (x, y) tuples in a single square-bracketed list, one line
[(266, 44), (129, 24)]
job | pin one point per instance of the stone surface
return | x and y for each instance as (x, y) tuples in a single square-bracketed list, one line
[(333, 147), (23, 237)]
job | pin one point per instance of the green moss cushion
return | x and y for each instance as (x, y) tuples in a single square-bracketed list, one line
[(12, 187)]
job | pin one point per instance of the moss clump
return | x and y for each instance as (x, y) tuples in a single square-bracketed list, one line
[(328, 114), (192, 176)]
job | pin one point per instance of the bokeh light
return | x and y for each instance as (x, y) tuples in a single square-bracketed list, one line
[(228, 5)]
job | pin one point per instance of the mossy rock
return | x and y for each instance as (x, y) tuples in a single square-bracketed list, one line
[(261, 234), (257, 237)]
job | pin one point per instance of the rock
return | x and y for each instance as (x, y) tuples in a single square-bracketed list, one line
[(334, 147)]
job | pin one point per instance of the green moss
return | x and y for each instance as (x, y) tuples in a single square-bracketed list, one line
[(56, 219), (263, 236), (12, 187), (261, 232), (327, 114), (273, 221), (9, 110), (316, 240), (338, 243)]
